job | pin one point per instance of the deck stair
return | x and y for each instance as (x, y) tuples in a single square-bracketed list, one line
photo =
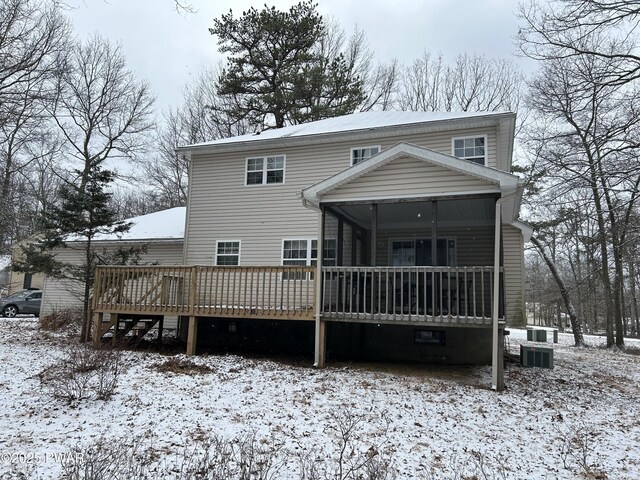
[(128, 328)]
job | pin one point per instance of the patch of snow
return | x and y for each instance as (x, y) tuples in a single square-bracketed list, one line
[(162, 225), (349, 123), (437, 418)]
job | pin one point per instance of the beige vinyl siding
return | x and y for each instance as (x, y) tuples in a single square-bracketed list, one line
[(222, 207), (408, 177), (513, 258), (16, 281), (474, 245), (58, 294)]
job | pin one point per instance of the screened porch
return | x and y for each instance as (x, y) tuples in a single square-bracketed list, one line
[(410, 261)]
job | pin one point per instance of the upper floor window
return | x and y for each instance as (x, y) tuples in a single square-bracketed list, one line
[(228, 252), (263, 170), (360, 154), (471, 148)]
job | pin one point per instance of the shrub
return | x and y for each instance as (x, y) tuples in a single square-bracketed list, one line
[(108, 460), (83, 373), (59, 319)]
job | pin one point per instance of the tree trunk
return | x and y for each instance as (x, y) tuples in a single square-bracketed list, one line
[(573, 318), (85, 335), (634, 299)]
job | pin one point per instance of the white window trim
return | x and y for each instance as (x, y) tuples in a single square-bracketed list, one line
[(362, 148), (264, 170), (486, 146), (308, 240), (215, 254), (413, 239), (296, 239)]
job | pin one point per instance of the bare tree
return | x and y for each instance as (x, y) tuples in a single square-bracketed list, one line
[(201, 117), (604, 29), (591, 142), (33, 35), (103, 112), (471, 83), (379, 80)]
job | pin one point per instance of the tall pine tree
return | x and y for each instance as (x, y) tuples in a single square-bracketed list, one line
[(277, 74)]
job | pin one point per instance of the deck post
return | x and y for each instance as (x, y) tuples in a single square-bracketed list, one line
[(116, 327), (97, 329), (497, 357), (192, 335), (160, 328), (320, 337)]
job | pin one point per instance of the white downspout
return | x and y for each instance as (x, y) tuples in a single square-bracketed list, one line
[(497, 373)]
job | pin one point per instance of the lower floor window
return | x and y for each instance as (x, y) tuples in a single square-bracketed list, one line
[(228, 252), (411, 253), (305, 252)]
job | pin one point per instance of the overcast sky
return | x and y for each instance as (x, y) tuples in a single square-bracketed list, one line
[(167, 48)]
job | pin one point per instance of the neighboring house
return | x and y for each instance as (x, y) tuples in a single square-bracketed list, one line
[(161, 233), (20, 280), (5, 273), (407, 212)]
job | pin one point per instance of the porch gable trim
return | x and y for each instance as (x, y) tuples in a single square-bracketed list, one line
[(507, 182)]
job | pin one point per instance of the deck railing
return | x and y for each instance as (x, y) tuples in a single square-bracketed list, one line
[(444, 294), (243, 292), (384, 294)]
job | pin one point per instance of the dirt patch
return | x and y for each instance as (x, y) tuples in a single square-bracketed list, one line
[(183, 366)]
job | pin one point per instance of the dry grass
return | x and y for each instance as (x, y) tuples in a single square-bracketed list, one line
[(60, 319), (183, 366)]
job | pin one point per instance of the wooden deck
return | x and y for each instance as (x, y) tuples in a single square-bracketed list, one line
[(436, 296), (206, 291)]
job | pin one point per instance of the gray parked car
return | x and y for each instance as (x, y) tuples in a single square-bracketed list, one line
[(24, 302)]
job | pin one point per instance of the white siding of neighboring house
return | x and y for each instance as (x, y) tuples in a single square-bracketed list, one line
[(222, 208), (513, 259), (59, 294)]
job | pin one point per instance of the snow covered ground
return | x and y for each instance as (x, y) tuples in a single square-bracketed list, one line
[(429, 422)]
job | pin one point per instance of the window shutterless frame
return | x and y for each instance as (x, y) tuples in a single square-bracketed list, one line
[(362, 153), (407, 250), (265, 170), (226, 250), (471, 148), (310, 245)]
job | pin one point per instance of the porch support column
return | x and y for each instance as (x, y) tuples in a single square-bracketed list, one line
[(192, 335), (320, 339), (374, 233), (434, 237), (497, 359), (340, 245)]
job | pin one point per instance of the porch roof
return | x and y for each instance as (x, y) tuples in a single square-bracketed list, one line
[(492, 180)]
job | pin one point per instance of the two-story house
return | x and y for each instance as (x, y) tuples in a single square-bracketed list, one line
[(379, 235)]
